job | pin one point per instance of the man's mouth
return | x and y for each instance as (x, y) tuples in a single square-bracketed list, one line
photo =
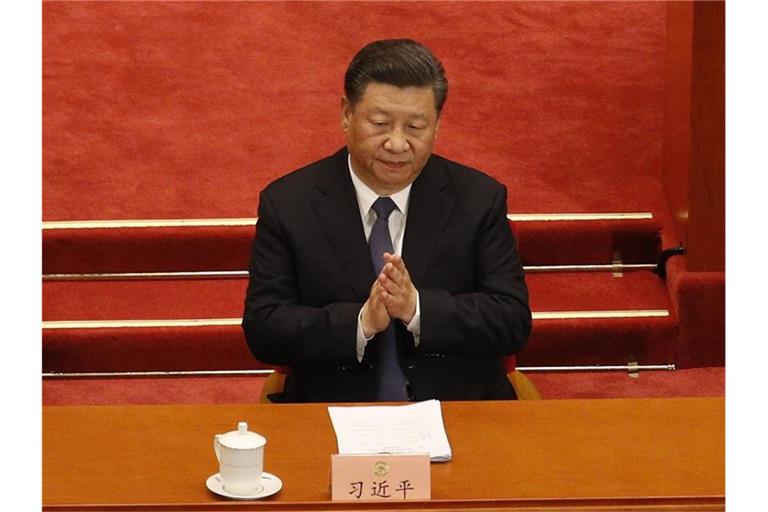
[(394, 165)]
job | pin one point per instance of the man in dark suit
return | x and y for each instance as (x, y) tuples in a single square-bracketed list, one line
[(384, 272)]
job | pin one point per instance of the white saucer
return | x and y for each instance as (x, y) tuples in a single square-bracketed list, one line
[(271, 484)]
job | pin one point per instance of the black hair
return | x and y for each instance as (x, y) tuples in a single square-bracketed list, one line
[(398, 62)]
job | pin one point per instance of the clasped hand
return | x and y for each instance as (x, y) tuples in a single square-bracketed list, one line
[(393, 295)]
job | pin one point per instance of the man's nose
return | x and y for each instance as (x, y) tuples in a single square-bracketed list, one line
[(396, 142)]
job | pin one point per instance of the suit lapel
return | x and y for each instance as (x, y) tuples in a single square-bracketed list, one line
[(336, 205), (429, 207)]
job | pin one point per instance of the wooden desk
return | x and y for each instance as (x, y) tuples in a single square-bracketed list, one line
[(649, 454)]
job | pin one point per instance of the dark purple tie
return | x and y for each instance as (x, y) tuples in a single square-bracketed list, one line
[(391, 381)]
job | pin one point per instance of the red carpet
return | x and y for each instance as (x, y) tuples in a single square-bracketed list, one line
[(697, 382), (220, 390), (187, 109), (153, 391)]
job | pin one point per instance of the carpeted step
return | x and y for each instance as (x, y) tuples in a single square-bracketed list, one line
[(211, 345), (220, 298), (247, 389), (694, 382), (147, 349), (224, 244), (600, 341), (176, 248), (153, 390), (169, 325), (585, 240), (643, 331), (698, 299)]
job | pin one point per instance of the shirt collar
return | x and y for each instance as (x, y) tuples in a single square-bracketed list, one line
[(366, 196)]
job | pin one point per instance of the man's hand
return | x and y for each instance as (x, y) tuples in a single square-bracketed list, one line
[(398, 293), (374, 317)]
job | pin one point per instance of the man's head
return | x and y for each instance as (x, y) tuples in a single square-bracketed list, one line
[(394, 91), (399, 62)]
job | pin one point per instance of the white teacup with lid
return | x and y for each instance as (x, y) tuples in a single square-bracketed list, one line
[(241, 460)]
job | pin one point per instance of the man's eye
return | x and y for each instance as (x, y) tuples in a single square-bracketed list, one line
[(378, 123)]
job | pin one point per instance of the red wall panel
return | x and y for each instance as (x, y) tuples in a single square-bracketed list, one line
[(706, 228), (694, 130), (677, 114)]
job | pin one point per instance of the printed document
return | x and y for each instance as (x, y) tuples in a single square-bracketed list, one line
[(412, 428)]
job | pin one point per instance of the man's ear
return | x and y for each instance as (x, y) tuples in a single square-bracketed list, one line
[(437, 126), (346, 113)]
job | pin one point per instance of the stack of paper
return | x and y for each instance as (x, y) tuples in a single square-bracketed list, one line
[(413, 428)]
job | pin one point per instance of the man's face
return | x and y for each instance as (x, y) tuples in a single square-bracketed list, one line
[(390, 134)]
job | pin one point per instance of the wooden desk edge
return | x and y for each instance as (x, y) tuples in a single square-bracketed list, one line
[(665, 504)]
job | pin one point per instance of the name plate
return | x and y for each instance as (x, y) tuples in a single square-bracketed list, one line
[(380, 477)]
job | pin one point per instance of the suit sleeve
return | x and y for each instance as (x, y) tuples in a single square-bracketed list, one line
[(278, 328), (494, 318)]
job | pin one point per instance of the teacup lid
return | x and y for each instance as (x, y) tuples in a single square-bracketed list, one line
[(241, 438)]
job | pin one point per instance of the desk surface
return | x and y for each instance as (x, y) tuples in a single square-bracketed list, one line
[(579, 454)]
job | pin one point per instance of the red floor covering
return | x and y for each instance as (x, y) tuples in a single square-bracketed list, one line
[(190, 390), (187, 109), (694, 382)]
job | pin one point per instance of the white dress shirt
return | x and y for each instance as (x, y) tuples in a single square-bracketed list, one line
[(365, 199)]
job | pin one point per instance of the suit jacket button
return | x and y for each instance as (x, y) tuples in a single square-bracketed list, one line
[(411, 366)]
